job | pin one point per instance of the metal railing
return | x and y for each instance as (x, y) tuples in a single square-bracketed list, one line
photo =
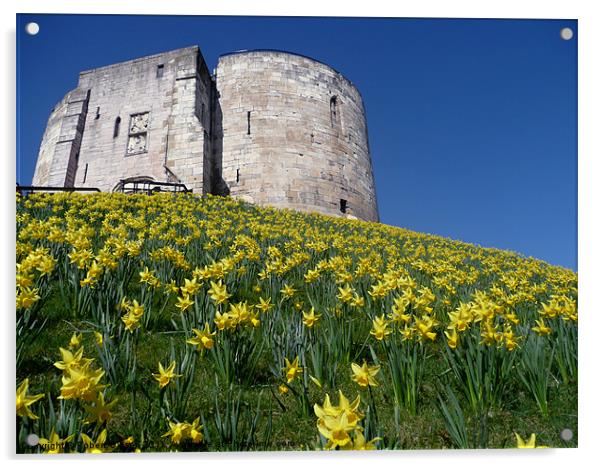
[(125, 186), (149, 187), (27, 189)]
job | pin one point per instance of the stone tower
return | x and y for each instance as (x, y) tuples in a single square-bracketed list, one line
[(270, 127)]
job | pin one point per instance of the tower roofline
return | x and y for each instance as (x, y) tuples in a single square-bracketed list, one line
[(189, 49), (280, 51)]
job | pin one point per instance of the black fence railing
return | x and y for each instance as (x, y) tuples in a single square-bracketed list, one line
[(149, 187), (124, 186), (27, 189)]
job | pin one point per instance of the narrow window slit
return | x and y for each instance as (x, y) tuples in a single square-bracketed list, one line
[(343, 205), (97, 113), (248, 122), (160, 69), (333, 111), (116, 127), (85, 174)]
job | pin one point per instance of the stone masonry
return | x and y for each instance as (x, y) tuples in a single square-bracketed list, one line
[(270, 127)]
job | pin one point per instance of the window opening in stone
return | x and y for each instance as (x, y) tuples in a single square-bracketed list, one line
[(116, 127), (85, 173), (160, 69), (333, 111), (248, 122), (343, 205), (97, 113), (138, 133), (237, 175)]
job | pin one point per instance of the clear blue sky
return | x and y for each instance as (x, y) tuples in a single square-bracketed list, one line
[(472, 123)]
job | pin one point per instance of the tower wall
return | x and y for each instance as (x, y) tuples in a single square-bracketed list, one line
[(294, 135), (270, 127), (145, 118), (61, 144)]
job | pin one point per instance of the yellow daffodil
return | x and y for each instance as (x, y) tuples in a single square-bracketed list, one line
[(96, 446), (81, 383), (147, 276), (222, 321), (196, 436), (452, 338), (264, 304), (27, 297), (70, 359), (164, 376), (190, 288), (530, 444), (336, 423), (357, 301), (364, 374), (407, 333), (203, 338), (24, 401), (100, 412), (218, 292), (254, 320), (380, 328), (292, 370), (424, 327), (288, 291), (45, 265), (75, 341), (541, 328), (336, 430), (345, 293), (310, 318), (360, 443), (136, 309), (131, 321), (98, 338), (177, 431), (54, 444), (184, 303)]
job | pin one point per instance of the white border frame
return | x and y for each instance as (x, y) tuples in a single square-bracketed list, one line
[(589, 190)]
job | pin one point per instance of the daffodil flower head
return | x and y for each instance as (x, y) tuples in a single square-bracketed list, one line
[(292, 369), (164, 376), (54, 444), (24, 401), (100, 411), (98, 446), (521, 444), (75, 341), (380, 328), (310, 318), (364, 375), (177, 431), (203, 338)]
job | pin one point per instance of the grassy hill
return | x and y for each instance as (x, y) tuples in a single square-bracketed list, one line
[(172, 322)]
